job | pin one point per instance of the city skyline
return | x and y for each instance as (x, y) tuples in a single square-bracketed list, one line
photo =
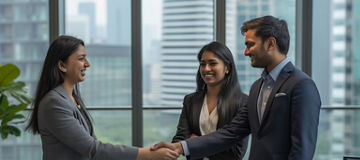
[(24, 40)]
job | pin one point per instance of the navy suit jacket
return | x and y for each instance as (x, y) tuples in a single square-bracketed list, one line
[(289, 126)]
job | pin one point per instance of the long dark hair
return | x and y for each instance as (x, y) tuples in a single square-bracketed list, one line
[(230, 95), (51, 76)]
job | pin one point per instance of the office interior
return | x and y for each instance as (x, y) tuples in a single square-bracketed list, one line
[(143, 60)]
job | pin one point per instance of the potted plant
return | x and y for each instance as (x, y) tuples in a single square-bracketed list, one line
[(13, 99)]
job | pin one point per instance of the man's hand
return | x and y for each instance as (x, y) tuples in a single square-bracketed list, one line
[(159, 154), (177, 147)]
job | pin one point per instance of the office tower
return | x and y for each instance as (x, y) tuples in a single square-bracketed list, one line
[(249, 9), (246, 10), (87, 9), (187, 26), (78, 26), (338, 75), (338, 80), (352, 120), (119, 22), (108, 79), (24, 38)]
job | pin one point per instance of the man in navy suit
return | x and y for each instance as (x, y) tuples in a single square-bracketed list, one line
[(283, 107)]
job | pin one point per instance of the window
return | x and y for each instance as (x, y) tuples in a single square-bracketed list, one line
[(335, 36), (24, 38), (237, 12), (105, 26), (173, 33)]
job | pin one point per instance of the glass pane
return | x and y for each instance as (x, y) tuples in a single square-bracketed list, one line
[(112, 126), (335, 45), (239, 11), (105, 26), (24, 39), (160, 125), (336, 138), (173, 33)]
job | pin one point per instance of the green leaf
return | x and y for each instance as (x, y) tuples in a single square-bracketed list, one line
[(13, 130), (16, 108), (11, 117), (9, 113), (16, 90), (8, 73), (4, 103), (4, 132)]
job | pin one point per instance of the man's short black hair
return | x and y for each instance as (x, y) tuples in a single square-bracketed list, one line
[(269, 26)]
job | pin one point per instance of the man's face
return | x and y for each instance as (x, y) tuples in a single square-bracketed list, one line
[(255, 49)]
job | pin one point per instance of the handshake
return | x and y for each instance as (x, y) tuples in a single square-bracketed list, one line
[(161, 151)]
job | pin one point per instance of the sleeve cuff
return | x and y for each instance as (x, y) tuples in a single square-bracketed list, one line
[(185, 148)]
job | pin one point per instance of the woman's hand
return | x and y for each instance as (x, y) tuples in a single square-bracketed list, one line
[(159, 154)]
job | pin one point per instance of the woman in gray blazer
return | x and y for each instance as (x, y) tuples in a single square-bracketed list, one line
[(217, 98), (60, 116)]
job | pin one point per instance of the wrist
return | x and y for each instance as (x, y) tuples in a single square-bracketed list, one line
[(180, 148), (143, 153)]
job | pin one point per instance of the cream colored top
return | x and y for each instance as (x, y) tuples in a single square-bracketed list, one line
[(207, 122)]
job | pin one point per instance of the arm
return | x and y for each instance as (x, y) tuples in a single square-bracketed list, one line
[(57, 119), (221, 139), (305, 108), (183, 129)]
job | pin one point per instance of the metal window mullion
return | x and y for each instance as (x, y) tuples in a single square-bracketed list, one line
[(220, 20), (136, 74), (53, 20), (303, 47)]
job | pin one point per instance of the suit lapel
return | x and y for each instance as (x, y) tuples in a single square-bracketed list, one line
[(253, 96), (197, 104), (281, 79), (59, 89)]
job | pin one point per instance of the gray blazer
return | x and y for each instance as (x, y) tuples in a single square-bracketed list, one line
[(66, 134)]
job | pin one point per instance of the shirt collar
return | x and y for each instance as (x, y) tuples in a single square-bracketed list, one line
[(276, 71)]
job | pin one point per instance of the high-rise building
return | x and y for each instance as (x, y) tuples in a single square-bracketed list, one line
[(88, 9), (24, 38), (249, 9), (187, 26), (352, 129), (119, 22), (108, 80)]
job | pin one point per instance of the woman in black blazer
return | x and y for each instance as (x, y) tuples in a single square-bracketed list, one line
[(217, 98)]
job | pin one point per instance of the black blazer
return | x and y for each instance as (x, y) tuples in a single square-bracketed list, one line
[(189, 123), (288, 130)]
